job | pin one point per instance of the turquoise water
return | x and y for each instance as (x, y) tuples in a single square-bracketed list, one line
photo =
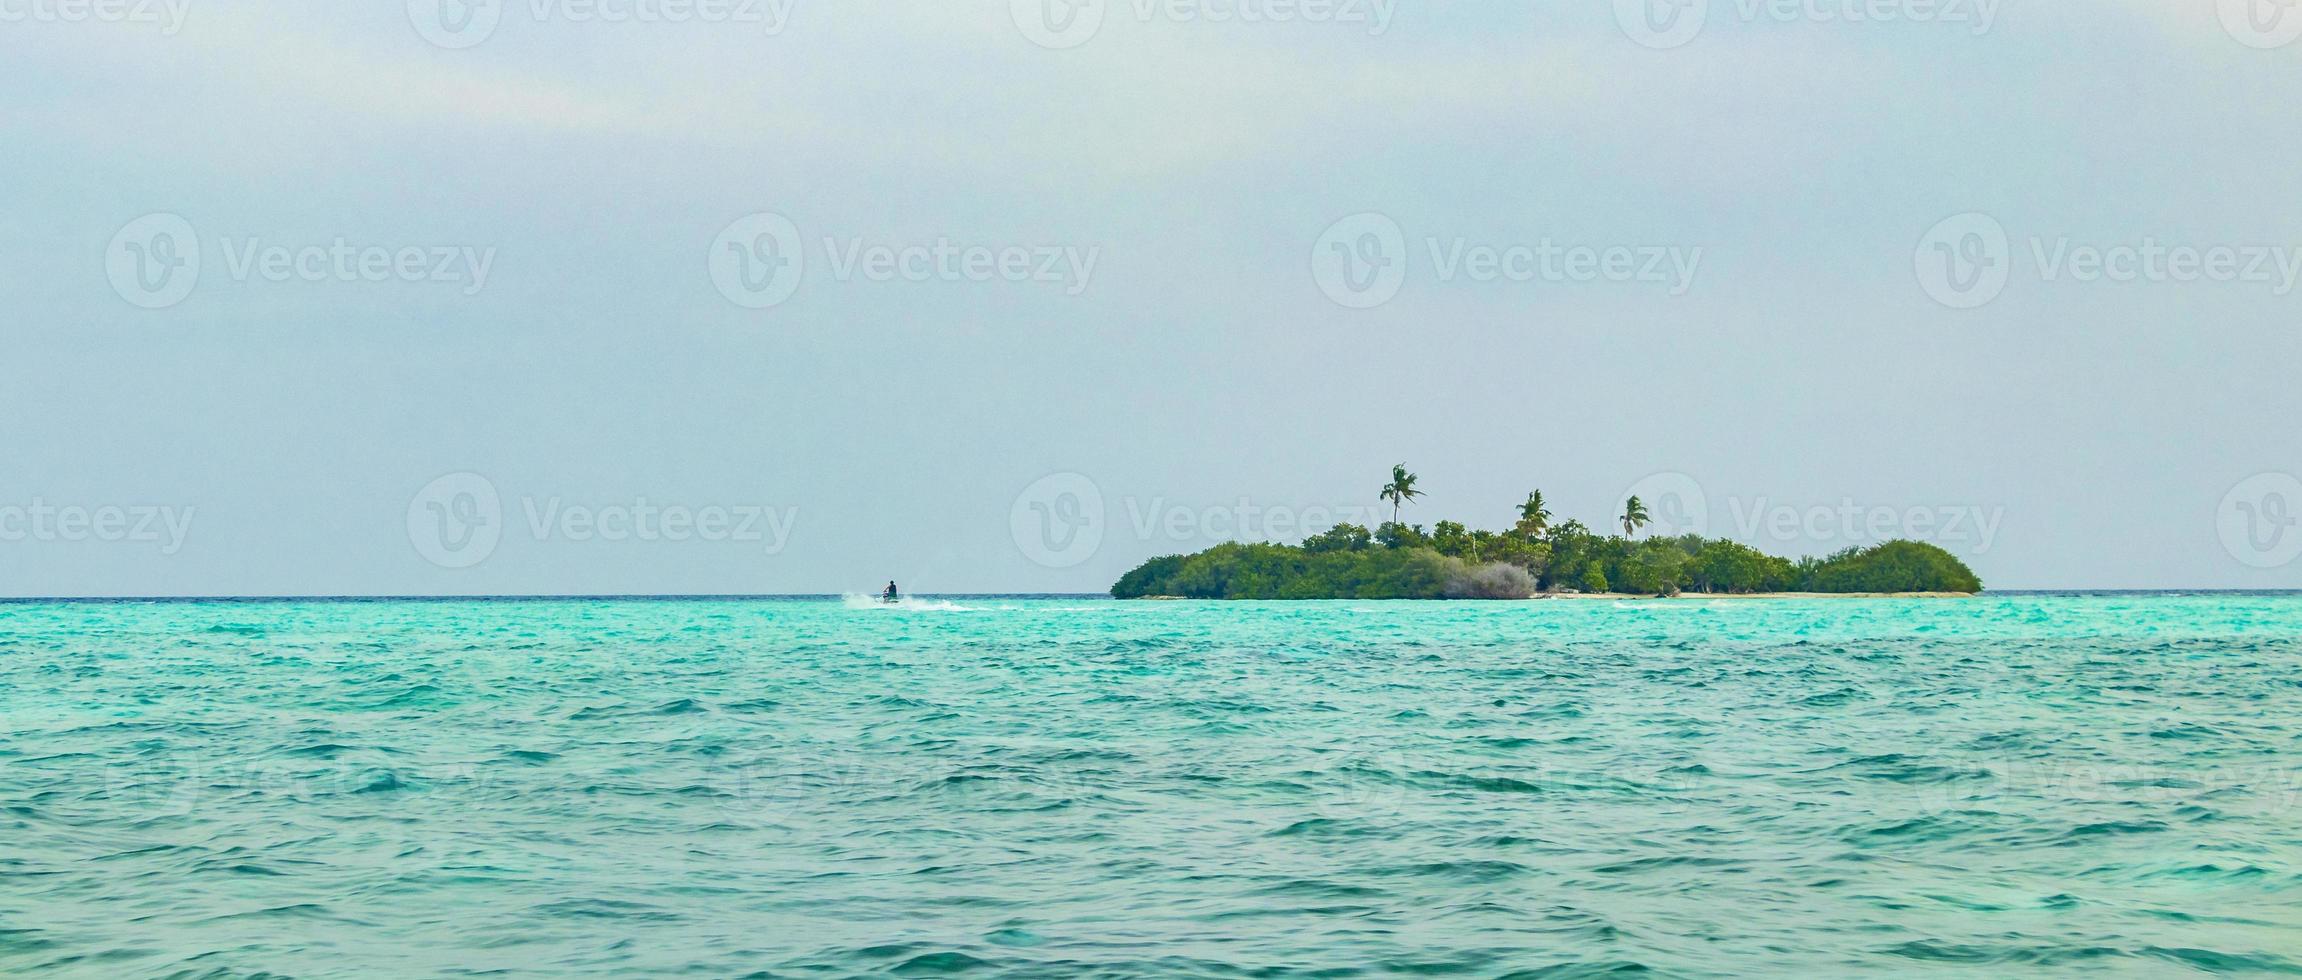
[(1083, 788)]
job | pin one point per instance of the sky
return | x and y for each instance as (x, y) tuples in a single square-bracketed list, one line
[(785, 296)]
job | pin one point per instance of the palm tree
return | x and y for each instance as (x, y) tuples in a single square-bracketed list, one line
[(1634, 517), (1400, 490), (1534, 518)]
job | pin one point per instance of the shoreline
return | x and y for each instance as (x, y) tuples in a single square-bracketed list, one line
[(1618, 597), (1624, 597)]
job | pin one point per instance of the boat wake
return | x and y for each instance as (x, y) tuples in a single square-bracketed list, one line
[(858, 600)]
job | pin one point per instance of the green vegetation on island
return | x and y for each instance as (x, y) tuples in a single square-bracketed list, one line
[(1534, 556)]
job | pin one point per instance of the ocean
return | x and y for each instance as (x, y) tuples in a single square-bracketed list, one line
[(1050, 787)]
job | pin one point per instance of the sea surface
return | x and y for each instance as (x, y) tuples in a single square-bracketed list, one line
[(988, 787)]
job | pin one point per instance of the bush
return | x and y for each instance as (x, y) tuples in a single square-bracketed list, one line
[(1451, 539), (1395, 535), (1266, 571), (1726, 566), (1534, 556), (1651, 568), (1148, 578), (1594, 580), (1896, 566), (1496, 581), (1403, 574), (1341, 537)]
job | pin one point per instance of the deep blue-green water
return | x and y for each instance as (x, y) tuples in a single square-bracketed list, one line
[(1059, 788)]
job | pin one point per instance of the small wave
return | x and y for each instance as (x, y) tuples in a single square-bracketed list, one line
[(421, 694), (1899, 768), (603, 908), (1641, 865), (2112, 828), (1906, 831), (1465, 872), (2217, 962), (937, 964), (1583, 968), (2185, 731), (1938, 951), (323, 750), (381, 781), (1321, 827)]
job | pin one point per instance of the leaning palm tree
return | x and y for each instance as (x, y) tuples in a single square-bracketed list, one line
[(1634, 517), (1534, 518), (1400, 490)]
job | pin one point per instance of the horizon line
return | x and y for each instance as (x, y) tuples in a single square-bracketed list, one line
[(742, 596)]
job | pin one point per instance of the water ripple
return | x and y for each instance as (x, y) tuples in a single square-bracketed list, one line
[(1039, 788)]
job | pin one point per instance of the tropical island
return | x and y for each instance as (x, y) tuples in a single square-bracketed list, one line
[(1533, 558)]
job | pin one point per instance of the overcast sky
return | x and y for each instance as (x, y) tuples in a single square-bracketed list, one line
[(793, 296)]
